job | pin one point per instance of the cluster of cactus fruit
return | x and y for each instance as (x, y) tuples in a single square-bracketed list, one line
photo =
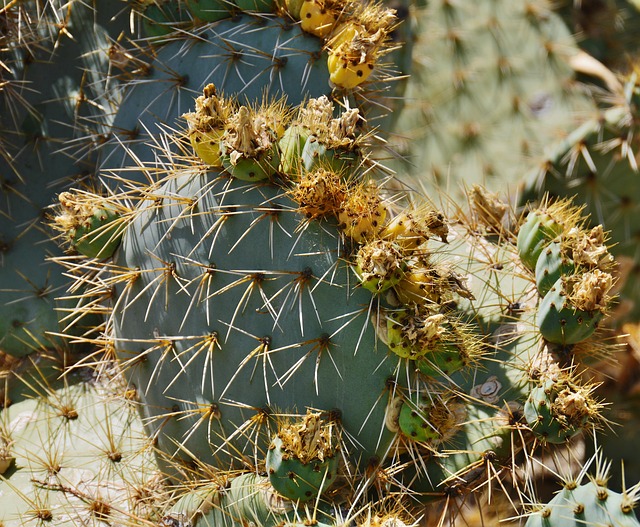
[(284, 334)]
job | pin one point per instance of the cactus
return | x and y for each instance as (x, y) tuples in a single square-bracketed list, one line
[(51, 96), (490, 83), (251, 268), (596, 165), (237, 304), (76, 453), (591, 503)]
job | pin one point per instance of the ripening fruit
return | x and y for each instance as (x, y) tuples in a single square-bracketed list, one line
[(206, 145), (379, 265), (362, 214), (318, 17), (346, 74)]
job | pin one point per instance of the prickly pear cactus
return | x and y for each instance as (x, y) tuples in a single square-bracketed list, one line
[(490, 83), (250, 56), (249, 302), (50, 104), (306, 341), (75, 453), (590, 503)]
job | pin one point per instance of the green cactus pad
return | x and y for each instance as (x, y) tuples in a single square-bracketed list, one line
[(588, 504), (209, 10), (264, 283)]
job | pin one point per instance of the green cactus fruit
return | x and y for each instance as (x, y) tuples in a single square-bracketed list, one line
[(561, 322), (537, 231), (557, 409), (379, 265), (316, 154), (412, 334), (249, 146), (552, 264), (93, 227), (302, 460), (333, 143), (293, 8), (457, 349), (432, 419)]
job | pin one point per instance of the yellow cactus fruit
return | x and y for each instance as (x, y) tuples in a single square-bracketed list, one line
[(357, 45), (362, 213), (411, 229), (418, 286), (319, 17), (206, 125), (319, 193)]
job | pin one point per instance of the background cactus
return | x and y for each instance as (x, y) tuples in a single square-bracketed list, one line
[(76, 453), (596, 164), (51, 98), (490, 83)]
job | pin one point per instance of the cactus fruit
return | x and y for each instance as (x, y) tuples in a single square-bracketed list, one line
[(302, 460), (558, 408), (379, 265), (596, 164), (573, 269), (94, 227)]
